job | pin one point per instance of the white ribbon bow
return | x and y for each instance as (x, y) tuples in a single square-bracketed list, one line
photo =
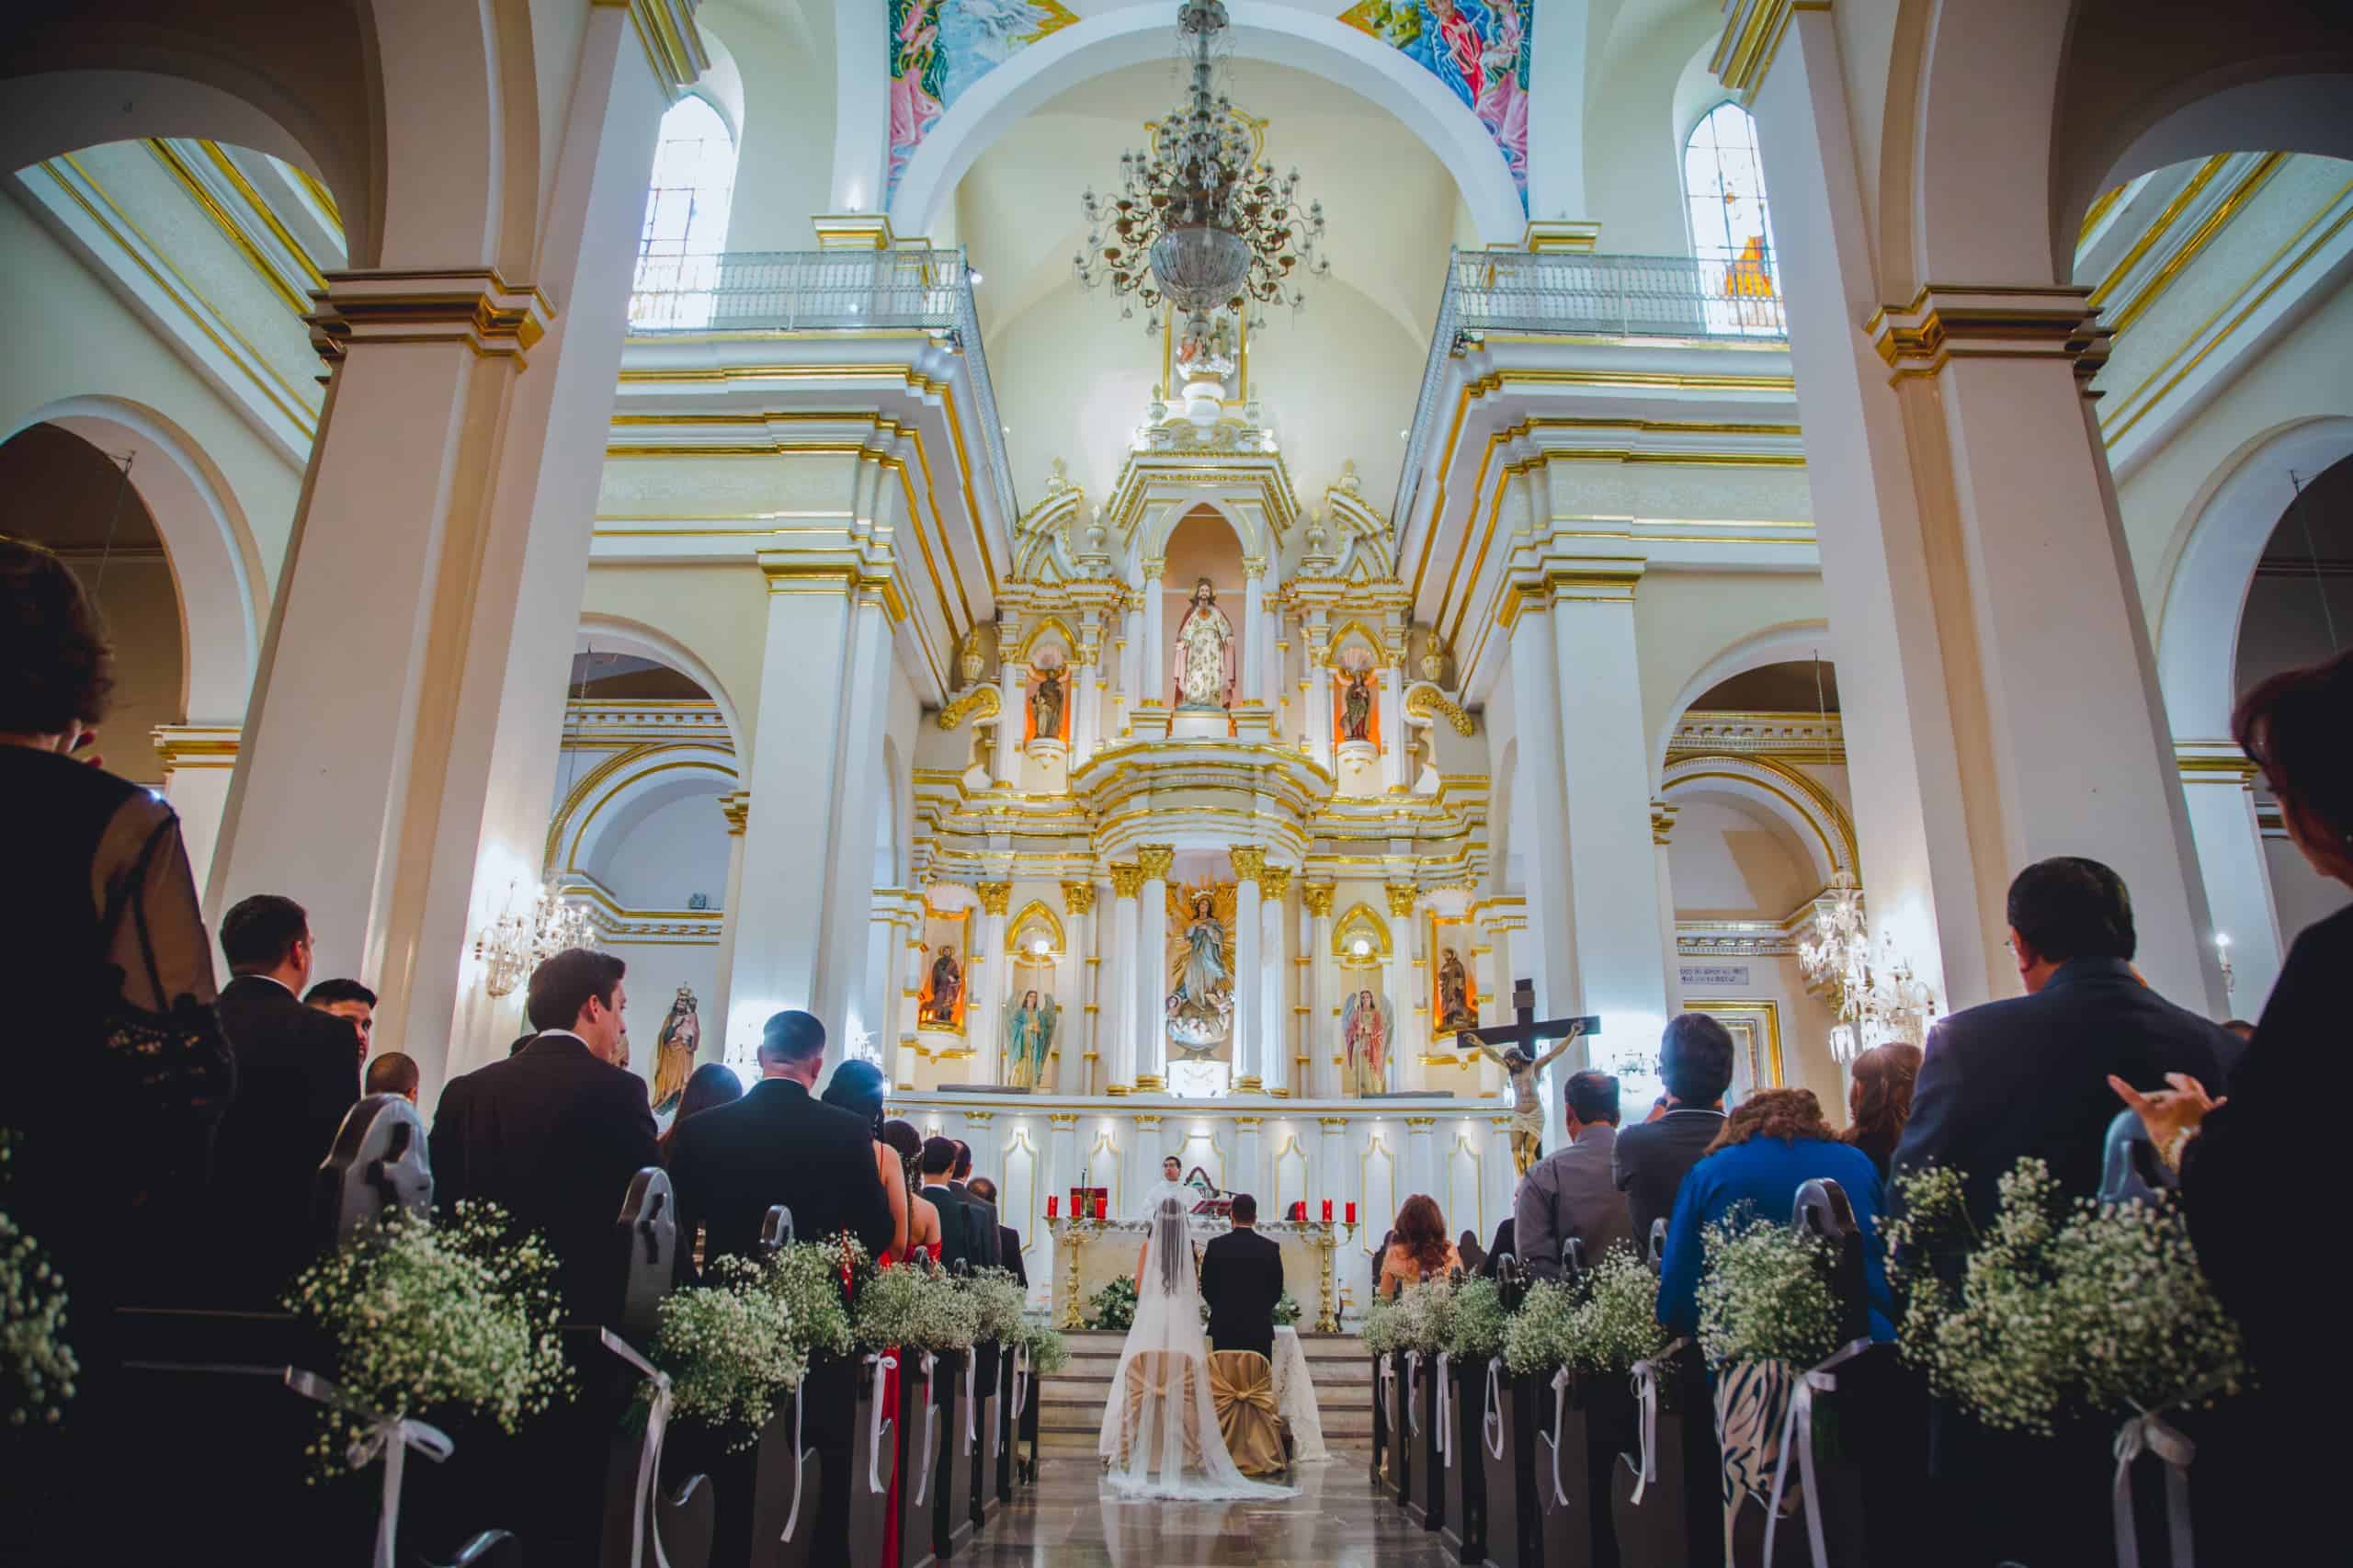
[(1797, 1427), (388, 1437), (882, 1365), (1413, 1406), (649, 1457), (930, 1426), (1020, 1382), (1560, 1413), (1493, 1422), (1647, 1397), (1445, 1412), (2147, 1431), (972, 1420)]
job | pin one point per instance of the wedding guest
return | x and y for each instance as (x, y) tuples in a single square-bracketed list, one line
[(554, 1133), (959, 1223), (394, 1073), (515, 1047), (346, 999), (1772, 1143), (923, 1215), (1879, 1100), (986, 1223), (297, 1075), (1418, 1246), (1505, 1243), (1008, 1239), (712, 1085), (858, 1088), (1648, 1162), (2241, 1028), (1574, 1193)]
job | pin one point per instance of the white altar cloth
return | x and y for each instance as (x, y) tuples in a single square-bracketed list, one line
[(1295, 1398)]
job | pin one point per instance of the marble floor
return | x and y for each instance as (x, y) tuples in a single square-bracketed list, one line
[(1336, 1521)]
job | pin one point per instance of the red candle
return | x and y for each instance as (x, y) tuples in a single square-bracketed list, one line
[(1352, 1213), (1054, 1205), (1100, 1202), (1327, 1210)]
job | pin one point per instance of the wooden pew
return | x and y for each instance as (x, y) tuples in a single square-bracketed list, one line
[(1461, 1414), (1427, 1505), (1678, 1522), (1574, 1434), (1500, 1448)]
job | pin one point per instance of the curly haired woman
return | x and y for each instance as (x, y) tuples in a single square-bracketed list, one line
[(1417, 1245)]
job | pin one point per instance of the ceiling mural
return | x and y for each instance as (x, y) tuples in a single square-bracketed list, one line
[(1478, 48), (939, 47)]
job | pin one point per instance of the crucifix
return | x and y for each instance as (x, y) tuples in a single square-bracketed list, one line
[(1521, 1064)]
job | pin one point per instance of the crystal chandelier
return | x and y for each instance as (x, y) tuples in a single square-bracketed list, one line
[(1199, 219), (1878, 1002), (525, 937)]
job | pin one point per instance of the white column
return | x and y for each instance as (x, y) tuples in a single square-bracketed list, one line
[(1130, 662), (1280, 1069), (1270, 689), (1013, 683), (1248, 1172), (1498, 1175), (1257, 649), (1144, 1151), (1321, 1032), (1119, 986), (910, 1005), (1249, 967), (1086, 693), (1335, 1180), (1079, 1027), (1548, 955), (992, 972), (1316, 691), (1413, 1032), (200, 760), (1155, 860), (1061, 1174), (1556, 112), (2218, 782), (882, 1011), (1152, 683), (1393, 718), (1421, 1164), (734, 807)]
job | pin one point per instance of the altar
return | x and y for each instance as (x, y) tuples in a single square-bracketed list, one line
[(1089, 1253)]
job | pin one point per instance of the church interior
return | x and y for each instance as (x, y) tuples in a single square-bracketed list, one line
[(1687, 499)]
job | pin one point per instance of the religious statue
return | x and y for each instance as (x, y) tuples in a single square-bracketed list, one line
[(1356, 705), (1364, 1023), (673, 1051), (1200, 1005), (1527, 1100), (943, 990), (1029, 1029), (1046, 704), (1204, 653), (1456, 1010)]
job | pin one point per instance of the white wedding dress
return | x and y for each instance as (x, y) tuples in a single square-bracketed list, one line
[(1160, 1434)]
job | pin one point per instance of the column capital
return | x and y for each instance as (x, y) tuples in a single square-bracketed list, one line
[(180, 746), (1249, 862), (1059, 1119), (1275, 881), (1318, 898), (1420, 1123), (1946, 321), (737, 809), (995, 896), (474, 306), (1254, 567), (1663, 816), (1127, 882), (1333, 1123), (1153, 566), (1249, 1124), (1401, 898), (1156, 860), (1752, 34), (979, 1118), (1078, 898), (1146, 1122)]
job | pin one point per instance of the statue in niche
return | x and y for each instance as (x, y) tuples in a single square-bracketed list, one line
[(1365, 1028), (1029, 1027), (1456, 1011), (1046, 704), (1356, 704), (673, 1051), (1204, 653), (1201, 1006), (945, 988)]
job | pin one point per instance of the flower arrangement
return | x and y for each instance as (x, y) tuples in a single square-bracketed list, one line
[(37, 1367), (1537, 1338), (1424, 1316), (1286, 1311), (997, 1302), (1617, 1323), (1049, 1351), (916, 1307), (1476, 1321), (805, 1279), (729, 1350), (1379, 1330), (1114, 1306), (1765, 1293), (2057, 1309), (428, 1316)]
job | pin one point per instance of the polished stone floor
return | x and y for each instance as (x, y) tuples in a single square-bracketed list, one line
[(1336, 1521)]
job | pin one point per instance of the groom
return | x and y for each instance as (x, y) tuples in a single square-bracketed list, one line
[(1242, 1278)]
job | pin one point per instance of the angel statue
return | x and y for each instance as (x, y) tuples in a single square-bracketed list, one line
[(1527, 1100), (1364, 1027), (673, 1051), (1029, 1037)]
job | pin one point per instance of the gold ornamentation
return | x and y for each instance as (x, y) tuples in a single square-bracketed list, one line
[(1275, 881), (1333, 1123), (1663, 816), (979, 1118), (1946, 322), (1079, 897), (1127, 882), (1421, 1123), (1156, 860), (1249, 862), (1062, 1118), (737, 809), (995, 896), (1318, 898), (1251, 1122), (1426, 699), (474, 306), (981, 701), (1402, 896), (1149, 1122), (1249, 1084)]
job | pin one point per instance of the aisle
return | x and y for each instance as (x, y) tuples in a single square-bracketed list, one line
[(1336, 1521)]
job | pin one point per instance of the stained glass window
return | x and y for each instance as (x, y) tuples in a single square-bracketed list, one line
[(686, 219), (1732, 229)]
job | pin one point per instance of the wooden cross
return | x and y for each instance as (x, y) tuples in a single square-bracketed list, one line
[(1524, 1032)]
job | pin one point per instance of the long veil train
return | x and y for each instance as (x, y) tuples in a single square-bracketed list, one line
[(1160, 1434)]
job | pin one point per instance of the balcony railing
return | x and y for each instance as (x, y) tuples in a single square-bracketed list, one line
[(1601, 296), (829, 290)]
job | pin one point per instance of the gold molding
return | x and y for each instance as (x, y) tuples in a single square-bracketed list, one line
[(1946, 322), (1127, 881), (995, 896), (181, 747), (1426, 699), (2190, 249), (2164, 219), (1318, 898), (1746, 49), (1401, 897), (1275, 881), (1078, 898), (475, 306), (737, 809), (1156, 861), (983, 701), (1249, 862), (226, 223)]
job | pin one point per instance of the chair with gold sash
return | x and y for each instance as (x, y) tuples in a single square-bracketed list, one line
[(1162, 1375), (1241, 1389)]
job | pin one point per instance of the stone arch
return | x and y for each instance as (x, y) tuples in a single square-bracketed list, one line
[(1790, 641), (598, 807), (1052, 623), (1812, 813), (621, 635), (1246, 533), (1261, 29), (217, 568)]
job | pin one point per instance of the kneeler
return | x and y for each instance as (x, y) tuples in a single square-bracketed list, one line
[(1242, 1392)]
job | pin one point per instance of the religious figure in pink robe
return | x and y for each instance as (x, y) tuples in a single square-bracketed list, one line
[(918, 71)]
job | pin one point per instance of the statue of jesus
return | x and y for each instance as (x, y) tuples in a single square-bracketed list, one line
[(1204, 653), (1527, 1100)]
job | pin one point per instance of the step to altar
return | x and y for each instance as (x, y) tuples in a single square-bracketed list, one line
[(1070, 1402)]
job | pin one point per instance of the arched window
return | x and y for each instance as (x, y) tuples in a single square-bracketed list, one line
[(1732, 229), (686, 219)]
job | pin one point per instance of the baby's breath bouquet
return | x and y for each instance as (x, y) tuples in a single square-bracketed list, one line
[(1114, 1306), (429, 1317), (1380, 1325), (1765, 1293), (806, 1277), (1538, 1337), (730, 1348), (1049, 1351), (37, 1367), (915, 1307), (1424, 1316), (997, 1302), (1286, 1309), (1617, 1324), (1476, 1321)]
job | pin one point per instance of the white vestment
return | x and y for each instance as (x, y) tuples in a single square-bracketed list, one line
[(1154, 1195)]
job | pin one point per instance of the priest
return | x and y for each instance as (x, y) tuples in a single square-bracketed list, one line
[(1168, 1186)]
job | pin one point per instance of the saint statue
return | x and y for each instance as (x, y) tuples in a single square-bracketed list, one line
[(1204, 653), (1046, 705), (943, 989), (1029, 1037), (673, 1051), (1203, 974), (1199, 1004), (1456, 1010), (1364, 1032), (1356, 706), (1527, 1100)]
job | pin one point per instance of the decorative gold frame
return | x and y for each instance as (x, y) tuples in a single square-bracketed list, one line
[(962, 919), (1741, 1016)]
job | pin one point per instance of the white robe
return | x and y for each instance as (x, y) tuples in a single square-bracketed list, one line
[(1149, 1206)]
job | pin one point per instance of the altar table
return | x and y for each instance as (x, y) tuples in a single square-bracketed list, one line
[(1090, 1254), (1295, 1398)]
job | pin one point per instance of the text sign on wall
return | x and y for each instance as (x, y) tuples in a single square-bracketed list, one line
[(1715, 974)]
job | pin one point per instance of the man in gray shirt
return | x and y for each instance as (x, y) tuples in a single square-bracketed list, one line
[(1573, 1193)]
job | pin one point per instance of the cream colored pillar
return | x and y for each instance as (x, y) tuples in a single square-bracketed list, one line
[(1013, 680), (993, 967), (1156, 861), (735, 808), (1249, 966), (1315, 690), (1257, 649), (1118, 987), (200, 760), (1393, 718), (1248, 1172), (2219, 783), (903, 1072), (1131, 667), (1333, 1144), (1076, 1052), (1281, 1027), (1319, 1035), (1548, 954), (1412, 1040), (1152, 683), (1086, 692), (1061, 1174), (1421, 1163)]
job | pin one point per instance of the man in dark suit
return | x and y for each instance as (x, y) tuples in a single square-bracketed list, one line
[(984, 1218), (1695, 1062), (553, 1133), (960, 1222), (1242, 1278), (298, 1075), (1008, 1239)]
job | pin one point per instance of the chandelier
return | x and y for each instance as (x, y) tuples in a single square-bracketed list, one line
[(1200, 220), (525, 937), (1879, 1001)]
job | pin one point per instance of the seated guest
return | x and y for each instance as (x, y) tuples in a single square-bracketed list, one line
[(554, 1133), (2028, 1076), (1008, 1239), (778, 1144), (515, 1047), (297, 1075), (959, 1223), (1505, 1243), (960, 1179), (1574, 1193), (346, 999), (858, 1088), (1417, 1248), (394, 1072), (1695, 1059), (1772, 1143), (712, 1085), (923, 1215), (1242, 1278), (1879, 1100)]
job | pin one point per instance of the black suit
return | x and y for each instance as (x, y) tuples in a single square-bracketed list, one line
[(967, 1226), (1008, 1241), (298, 1076), (777, 1145), (553, 1135), (988, 1247), (1650, 1160), (1242, 1278)]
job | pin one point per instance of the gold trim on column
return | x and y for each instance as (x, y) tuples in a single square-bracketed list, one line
[(1156, 860), (1274, 881), (181, 747), (1751, 36), (474, 306), (1402, 896), (1249, 861), (673, 49), (737, 809), (1318, 897), (1078, 898), (1946, 322), (1127, 882), (1663, 816), (995, 896)]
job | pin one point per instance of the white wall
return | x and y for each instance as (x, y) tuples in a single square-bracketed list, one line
[(665, 846), (143, 620), (785, 146)]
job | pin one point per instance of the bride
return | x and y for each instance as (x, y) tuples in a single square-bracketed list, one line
[(1160, 1432)]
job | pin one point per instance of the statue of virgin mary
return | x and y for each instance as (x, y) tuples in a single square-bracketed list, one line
[(1204, 653)]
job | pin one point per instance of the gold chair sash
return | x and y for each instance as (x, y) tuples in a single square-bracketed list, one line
[(1241, 1389)]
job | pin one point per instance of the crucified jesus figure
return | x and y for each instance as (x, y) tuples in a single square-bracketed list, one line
[(1522, 1065)]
